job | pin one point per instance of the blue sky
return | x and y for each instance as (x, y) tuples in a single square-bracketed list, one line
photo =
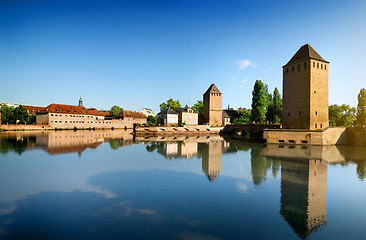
[(139, 53)]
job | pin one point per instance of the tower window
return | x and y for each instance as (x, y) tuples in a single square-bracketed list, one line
[(293, 68), (321, 66), (316, 125), (321, 125), (286, 70), (316, 113), (298, 67), (314, 92), (317, 65), (304, 65), (325, 67), (289, 114), (313, 64)]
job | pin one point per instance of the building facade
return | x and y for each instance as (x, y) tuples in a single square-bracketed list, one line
[(212, 106), (168, 117), (187, 115), (305, 91), (148, 112)]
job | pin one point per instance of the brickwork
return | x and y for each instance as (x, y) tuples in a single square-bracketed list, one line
[(305, 91), (212, 106)]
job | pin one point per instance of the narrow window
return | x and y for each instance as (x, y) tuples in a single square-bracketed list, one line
[(314, 92), (313, 64), (304, 65), (316, 125), (321, 125), (316, 113), (293, 68), (317, 65), (298, 67), (289, 114), (325, 67), (286, 70)]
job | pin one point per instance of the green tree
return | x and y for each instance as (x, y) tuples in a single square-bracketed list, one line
[(259, 102), (198, 107), (115, 110), (151, 121), (245, 117), (20, 114), (341, 115), (274, 114), (6, 114), (361, 108), (170, 104)]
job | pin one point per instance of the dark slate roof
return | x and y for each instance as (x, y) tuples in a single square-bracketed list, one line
[(167, 111), (304, 53), (230, 113), (213, 89)]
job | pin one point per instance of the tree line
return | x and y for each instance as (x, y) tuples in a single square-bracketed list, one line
[(15, 115)]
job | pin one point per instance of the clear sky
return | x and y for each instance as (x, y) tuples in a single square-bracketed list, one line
[(138, 53)]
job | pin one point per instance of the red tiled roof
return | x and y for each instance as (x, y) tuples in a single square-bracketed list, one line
[(70, 109), (106, 114), (131, 114), (33, 109)]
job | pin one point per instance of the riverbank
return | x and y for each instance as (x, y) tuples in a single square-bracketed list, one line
[(13, 127), (188, 130)]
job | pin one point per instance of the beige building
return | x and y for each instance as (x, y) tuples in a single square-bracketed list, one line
[(212, 106), (148, 112), (168, 117), (187, 115), (211, 159), (305, 91)]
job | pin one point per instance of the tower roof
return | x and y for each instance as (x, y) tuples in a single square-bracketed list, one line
[(213, 89), (304, 53)]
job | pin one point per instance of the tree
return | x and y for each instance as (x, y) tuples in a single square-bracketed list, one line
[(151, 121), (259, 102), (198, 107), (170, 104), (274, 114), (341, 115), (245, 117), (6, 114), (20, 114), (361, 108), (115, 110)]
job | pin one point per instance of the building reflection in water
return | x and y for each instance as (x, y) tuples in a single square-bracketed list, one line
[(211, 159)]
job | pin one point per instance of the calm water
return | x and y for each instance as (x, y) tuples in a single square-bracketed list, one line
[(108, 185)]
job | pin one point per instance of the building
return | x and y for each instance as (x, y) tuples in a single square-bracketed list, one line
[(33, 109), (305, 91), (130, 118), (227, 115), (168, 117), (211, 159), (212, 106), (148, 112), (187, 115)]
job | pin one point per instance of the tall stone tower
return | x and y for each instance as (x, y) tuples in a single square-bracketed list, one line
[(211, 159), (305, 91), (80, 102), (212, 106)]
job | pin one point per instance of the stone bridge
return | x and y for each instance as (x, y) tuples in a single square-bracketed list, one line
[(251, 128)]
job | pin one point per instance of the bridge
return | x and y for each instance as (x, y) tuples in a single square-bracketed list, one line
[(251, 128)]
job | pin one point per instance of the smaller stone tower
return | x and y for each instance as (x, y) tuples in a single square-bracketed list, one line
[(212, 106), (80, 102)]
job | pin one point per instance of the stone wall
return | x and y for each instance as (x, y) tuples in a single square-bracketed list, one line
[(356, 136)]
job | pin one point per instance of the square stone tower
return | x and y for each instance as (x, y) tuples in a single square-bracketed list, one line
[(305, 91), (212, 106)]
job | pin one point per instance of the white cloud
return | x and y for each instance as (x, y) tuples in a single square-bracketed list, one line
[(244, 80), (243, 64), (242, 83)]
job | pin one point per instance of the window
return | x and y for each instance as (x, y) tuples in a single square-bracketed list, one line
[(298, 67), (316, 125), (314, 92), (316, 113), (293, 68), (299, 113), (321, 125), (325, 67), (289, 114), (286, 70), (317, 65), (304, 65), (313, 64), (52, 115), (321, 66), (65, 121)]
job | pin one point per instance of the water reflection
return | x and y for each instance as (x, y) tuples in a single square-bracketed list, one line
[(154, 198)]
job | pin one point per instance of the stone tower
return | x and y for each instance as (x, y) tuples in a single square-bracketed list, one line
[(211, 159), (80, 102), (305, 91), (212, 106)]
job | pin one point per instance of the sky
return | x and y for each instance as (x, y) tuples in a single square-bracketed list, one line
[(140, 53)]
